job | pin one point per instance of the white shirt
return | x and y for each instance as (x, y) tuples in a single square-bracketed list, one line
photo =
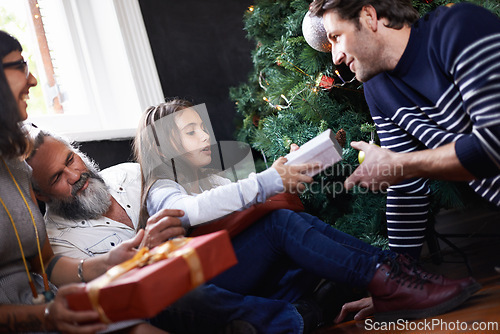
[(215, 203), (86, 238)]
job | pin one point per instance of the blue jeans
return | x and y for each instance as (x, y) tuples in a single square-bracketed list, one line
[(281, 258), (285, 237), (208, 309)]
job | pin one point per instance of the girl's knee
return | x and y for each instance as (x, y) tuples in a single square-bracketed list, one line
[(282, 216)]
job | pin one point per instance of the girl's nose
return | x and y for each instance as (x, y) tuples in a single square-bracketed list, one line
[(205, 136)]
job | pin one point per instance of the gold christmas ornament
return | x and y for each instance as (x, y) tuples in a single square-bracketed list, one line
[(361, 156), (315, 34)]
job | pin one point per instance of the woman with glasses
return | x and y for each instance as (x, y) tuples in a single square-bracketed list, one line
[(28, 300)]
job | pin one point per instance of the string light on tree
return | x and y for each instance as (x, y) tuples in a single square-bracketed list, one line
[(315, 35), (338, 74), (282, 96)]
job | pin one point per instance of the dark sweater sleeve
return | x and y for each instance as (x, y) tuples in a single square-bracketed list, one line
[(475, 158), (471, 56)]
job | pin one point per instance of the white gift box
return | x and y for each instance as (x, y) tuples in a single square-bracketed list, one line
[(323, 149)]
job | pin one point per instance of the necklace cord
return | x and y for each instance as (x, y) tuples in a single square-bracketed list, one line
[(33, 290), (44, 275)]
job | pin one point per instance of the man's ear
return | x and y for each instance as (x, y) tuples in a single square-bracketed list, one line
[(369, 17)]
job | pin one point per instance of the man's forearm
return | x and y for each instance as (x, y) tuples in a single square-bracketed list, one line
[(21, 318), (441, 163), (66, 269)]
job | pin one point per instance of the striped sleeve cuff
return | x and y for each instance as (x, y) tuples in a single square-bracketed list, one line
[(474, 158)]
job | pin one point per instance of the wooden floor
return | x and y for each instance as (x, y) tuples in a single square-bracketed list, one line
[(482, 250)]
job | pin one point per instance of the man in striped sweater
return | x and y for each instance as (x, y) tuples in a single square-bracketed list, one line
[(433, 88)]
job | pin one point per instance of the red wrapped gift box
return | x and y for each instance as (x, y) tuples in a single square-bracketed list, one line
[(240, 220), (144, 292)]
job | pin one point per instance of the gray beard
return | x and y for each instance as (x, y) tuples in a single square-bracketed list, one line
[(90, 203)]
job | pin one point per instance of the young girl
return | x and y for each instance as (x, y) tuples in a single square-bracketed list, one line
[(173, 147)]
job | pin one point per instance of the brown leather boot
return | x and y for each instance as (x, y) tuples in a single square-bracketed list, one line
[(397, 295), (411, 266)]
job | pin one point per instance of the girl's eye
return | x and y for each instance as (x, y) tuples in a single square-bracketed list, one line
[(190, 133)]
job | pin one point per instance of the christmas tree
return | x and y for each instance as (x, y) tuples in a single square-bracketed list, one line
[(295, 92)]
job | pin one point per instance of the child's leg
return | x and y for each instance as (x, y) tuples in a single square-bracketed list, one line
[(284, 235), (344, 239)]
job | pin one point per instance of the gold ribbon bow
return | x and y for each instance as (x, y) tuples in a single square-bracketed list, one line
[(144, 257)]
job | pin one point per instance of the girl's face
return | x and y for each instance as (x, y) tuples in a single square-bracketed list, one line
[(194, 138), (20, 80)]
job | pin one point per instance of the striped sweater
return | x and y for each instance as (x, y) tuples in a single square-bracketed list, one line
[(445, 88)]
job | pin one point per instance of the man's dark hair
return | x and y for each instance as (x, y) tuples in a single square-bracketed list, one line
[(397, 12), (39, 139)]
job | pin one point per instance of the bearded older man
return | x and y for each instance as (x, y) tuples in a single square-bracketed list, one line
[(86, 215)]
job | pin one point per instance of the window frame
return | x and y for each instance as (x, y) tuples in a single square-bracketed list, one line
[(117, 70)]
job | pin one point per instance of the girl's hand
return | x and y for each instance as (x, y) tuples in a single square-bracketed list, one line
[(363, 308), (60, 318), (293, 176), (162, 226)]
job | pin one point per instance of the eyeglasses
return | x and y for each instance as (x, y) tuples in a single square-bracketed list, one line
[(20, 65)]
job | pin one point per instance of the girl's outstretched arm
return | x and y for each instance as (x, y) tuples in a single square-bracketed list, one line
[(228, 198)]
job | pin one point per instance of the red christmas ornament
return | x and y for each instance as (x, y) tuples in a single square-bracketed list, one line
[(279, 59), (326, 82), (427, 1)]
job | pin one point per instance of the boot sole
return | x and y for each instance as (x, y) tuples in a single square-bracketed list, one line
[(444, 307), (473, 288)]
